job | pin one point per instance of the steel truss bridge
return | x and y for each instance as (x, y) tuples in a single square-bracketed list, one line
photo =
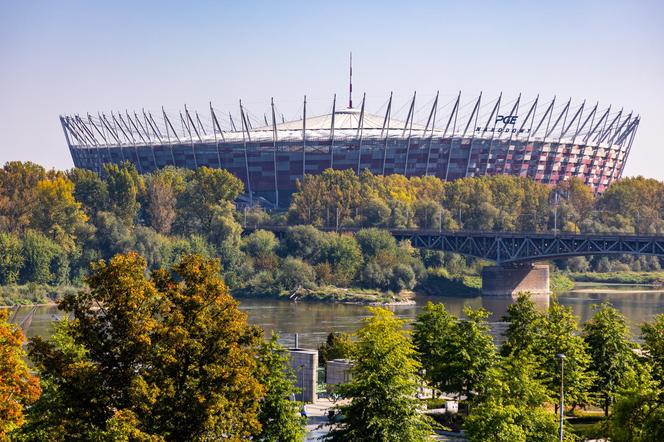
[(507, 248)]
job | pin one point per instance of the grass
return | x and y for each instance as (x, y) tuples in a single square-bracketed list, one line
[(651, 278), (333, 294), (33, 294), (560, 283), (440, 282)]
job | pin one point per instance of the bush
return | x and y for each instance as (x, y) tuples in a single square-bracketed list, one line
[(403, 278), (294, 273)]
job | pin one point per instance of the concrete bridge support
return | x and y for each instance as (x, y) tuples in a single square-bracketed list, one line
[(508, 280)]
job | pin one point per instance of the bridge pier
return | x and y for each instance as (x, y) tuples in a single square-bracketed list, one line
[(508, 280)]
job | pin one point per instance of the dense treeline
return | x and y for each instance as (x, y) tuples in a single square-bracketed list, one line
[(500, 203), (53, 224)]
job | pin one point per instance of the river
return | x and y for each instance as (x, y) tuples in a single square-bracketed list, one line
[(313, 321)]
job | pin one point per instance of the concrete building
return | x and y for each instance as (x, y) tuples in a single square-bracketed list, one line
[(338, 371), (305, 366)]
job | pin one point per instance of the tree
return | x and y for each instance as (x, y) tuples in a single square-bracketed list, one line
[(427, 214), (18, 194), (38, 253), (125, 186), (653, 337), (89, 189), (204, 191), (207, 354), (57, 213), (303, 242), (560, 335), (294, 273), (162, 189), (433, 334), (384, 381), (511, 405), (638, 413), (261, 245), (544, 337), (171, 350), (372, 241), (472, 353), (18, 387), (278, 414), (11, 258), (338, 345), (525, 324), (607, 337), (343, 254)]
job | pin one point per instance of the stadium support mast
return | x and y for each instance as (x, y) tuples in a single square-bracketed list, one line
[(386, 128), (350, 83), (334, 110), (274, 153), (243, 123)]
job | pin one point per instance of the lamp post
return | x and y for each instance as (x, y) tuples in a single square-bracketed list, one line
[(562, 394)]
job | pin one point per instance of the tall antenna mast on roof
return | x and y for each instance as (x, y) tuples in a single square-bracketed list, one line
[(350, 83)]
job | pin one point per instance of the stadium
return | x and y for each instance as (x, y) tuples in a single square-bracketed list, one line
[(546, 140)]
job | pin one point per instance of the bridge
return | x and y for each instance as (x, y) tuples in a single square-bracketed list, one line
[(516, 252)]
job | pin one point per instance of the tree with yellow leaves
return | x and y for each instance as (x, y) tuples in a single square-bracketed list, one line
[(17, 386)]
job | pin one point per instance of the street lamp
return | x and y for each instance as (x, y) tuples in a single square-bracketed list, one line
[(562, 394)]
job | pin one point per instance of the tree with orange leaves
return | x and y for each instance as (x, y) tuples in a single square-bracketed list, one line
[(17, 386)]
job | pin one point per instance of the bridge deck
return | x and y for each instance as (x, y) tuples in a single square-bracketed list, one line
[(520, 247)]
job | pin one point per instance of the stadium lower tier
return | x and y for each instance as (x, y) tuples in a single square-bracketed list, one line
[(271, 171)]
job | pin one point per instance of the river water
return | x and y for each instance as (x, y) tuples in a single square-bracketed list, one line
[(313, 321)]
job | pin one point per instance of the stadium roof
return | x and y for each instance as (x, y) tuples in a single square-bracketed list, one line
[(346, 119)]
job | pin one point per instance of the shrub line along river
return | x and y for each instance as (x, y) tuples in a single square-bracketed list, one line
[(314, 320)]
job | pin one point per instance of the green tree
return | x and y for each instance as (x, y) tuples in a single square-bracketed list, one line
[(384, 381), (511, 405), (607, 337), (303, 242), (338, 345), (38, 253), (545, 336), (18, 387), (653, 337), (472, 353), (204, 191), (434, 332), (262, 245), (18, 194), (560, 335), (294, 273), (125, 186), (524, 326), (373, 241), (638, 412), (278, 414), (343, 254), (90, 190), (11, 258)]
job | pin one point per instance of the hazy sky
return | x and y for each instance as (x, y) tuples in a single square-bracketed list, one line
[(59, 57)]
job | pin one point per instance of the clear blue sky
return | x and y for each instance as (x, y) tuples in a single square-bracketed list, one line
[(65, 56)]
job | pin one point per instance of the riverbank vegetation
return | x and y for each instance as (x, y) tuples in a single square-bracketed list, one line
[(53, 224)]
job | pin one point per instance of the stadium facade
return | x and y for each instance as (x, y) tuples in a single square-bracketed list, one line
[(547, 141)]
